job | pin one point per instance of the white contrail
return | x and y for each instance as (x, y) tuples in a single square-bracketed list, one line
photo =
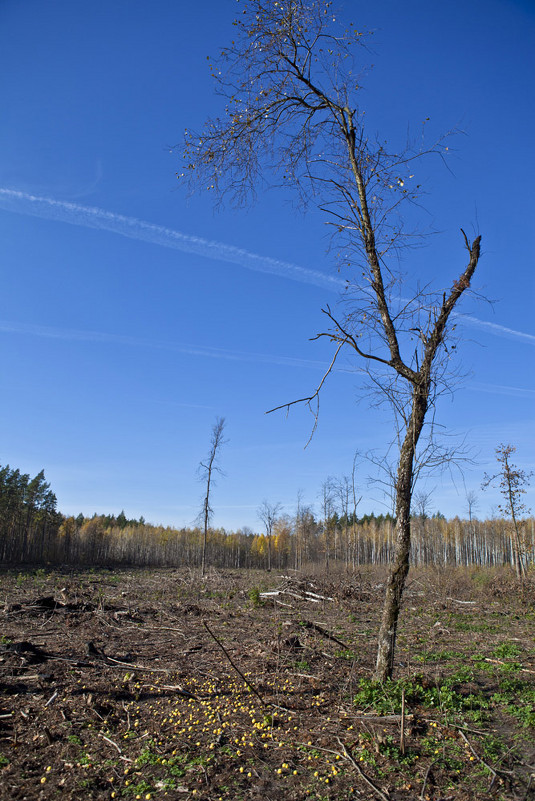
[(501, 389), (76, 335), (70, 335), (93, 217), (496, 328)]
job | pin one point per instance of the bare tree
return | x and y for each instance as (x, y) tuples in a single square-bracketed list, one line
[(472, 503), (268, 514), (512, 485), (356, 502), (327, 496), (422, 504), (292, 117), (343, 492), (346, 492), (305, 530), (207, 468)]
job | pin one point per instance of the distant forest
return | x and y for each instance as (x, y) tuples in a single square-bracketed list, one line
[(32, 531)]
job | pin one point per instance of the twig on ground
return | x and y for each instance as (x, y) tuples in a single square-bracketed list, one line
[(428, 771), (236, 668), (528, 788), (457, 601), (305, 676), (109, 741), (476, 755), (308, 624), (382, 717), (302, 597), (132, 666), (347, 754), (175, 687), (499, 662), (127, 716), (52, 698), (455, 726)]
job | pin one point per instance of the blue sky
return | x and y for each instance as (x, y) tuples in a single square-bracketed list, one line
[(131, 316)]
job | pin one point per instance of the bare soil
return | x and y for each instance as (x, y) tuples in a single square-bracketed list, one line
[(159, 684)]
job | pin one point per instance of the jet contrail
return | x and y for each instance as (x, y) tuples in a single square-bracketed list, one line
[(77, 335), (496, 328), (131, 227), (70, 335), (94, 217), (500, 389)]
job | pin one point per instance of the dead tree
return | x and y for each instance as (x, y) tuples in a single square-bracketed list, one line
[(207, 469), (292, 118), (268, 513)]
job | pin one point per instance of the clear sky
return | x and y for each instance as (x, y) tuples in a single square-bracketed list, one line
[(131, 316)]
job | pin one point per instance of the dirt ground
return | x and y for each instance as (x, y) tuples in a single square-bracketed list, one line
[(159, 684)]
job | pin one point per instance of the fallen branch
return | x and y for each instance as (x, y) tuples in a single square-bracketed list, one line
[(499, 662), (428, 771), (319, 597), (305, 676), (303, 595), (131, 666), (236, 668), (300, 597), (175, 687), (476, 755), (347, 755), (457, 601), (52, 698), (109, 741), (308, 624)]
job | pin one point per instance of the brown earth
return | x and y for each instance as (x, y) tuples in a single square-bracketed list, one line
[(160, 684)]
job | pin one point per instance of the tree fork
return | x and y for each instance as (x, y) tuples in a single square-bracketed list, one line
[(291, 111)]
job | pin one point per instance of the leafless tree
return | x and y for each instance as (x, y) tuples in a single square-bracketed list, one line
[(422, 503), (305, 529), (292, 117), (512, 485), (207, 468), (327, 496), (346, 493), (343, 492), (268, 513), (472, 503), (356, 502)]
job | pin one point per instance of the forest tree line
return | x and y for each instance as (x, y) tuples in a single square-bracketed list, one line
[(33, 531)]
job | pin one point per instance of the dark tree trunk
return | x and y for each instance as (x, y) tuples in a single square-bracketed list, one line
[(400, 565)]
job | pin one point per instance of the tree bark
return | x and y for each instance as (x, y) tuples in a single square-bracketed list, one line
[(400, 565)]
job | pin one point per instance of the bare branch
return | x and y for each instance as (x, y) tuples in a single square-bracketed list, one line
[(318, 389), (292, 118)]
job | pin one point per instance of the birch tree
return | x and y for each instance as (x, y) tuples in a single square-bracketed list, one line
[(292, 117)]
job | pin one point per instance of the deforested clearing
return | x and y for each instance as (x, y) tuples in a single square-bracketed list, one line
[(246, 684)]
